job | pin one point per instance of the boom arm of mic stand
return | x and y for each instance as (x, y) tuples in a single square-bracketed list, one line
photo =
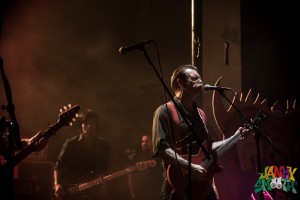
[(189, 124)]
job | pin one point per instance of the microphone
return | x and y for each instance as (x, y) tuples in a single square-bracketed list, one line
[(123, 50), (218, 88)]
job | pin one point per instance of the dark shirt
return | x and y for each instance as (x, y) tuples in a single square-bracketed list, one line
[(163, 129), (78, 163)]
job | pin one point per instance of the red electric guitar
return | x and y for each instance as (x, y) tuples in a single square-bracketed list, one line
[(201, 189)]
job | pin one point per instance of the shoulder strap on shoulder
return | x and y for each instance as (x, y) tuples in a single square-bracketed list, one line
[(175, 123), (174, 112), (202, 113)]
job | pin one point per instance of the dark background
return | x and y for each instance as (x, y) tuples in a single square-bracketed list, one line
[(269, 49)]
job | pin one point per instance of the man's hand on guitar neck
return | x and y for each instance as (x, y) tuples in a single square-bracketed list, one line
[(41, 143), (243, 131), (59, 193)]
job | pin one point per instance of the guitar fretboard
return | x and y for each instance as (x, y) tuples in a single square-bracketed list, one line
[(207, 162), (84, 186), (30, 148), (119, 173)]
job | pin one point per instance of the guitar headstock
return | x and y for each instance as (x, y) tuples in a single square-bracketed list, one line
[(67, 114), (142, 165), (256, 120)]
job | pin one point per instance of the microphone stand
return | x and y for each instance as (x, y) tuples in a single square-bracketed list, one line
[(257, 135), (14, 140), (186, 120), (13, 135)]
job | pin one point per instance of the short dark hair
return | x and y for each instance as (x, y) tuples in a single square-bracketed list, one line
[(179, 72), (87, 115), (146, 135)]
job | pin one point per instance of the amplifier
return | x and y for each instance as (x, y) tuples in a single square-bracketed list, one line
[(34, 179)]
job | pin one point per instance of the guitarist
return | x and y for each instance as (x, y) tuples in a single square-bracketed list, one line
[(169, 127), (39, 145), (6, 181), (82, 158)]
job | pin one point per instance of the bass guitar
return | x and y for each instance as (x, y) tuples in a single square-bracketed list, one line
[(77, 191), (201, 189)]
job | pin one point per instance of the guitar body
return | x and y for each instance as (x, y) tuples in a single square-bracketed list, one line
[(200, 189)]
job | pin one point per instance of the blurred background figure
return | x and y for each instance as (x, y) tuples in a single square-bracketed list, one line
[(145, 184), (82, 158)]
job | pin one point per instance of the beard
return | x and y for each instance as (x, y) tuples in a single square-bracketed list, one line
[(198, 85)]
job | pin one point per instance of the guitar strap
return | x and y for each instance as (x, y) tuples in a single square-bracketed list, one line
[(176, 124), (175, 114)]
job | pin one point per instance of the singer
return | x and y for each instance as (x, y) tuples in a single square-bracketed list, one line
[(169, 128)]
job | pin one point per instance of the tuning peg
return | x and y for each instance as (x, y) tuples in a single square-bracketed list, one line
[(65, 107), (69, 105), (60, 110), (70, 124)]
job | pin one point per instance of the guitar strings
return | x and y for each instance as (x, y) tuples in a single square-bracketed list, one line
[(221, 151)]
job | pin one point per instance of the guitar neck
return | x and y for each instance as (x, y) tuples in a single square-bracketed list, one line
[(235, 138), (119, 173), (84, 186), (99, 181), (21, 155), (219, 152)]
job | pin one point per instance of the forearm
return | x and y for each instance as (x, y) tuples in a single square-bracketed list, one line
[(59, 192), (130, 186), (57, 177), (25, 143), (170, 157), (218, 144)]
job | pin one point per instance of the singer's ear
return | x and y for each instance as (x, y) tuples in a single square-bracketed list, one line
[(180, 83)]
